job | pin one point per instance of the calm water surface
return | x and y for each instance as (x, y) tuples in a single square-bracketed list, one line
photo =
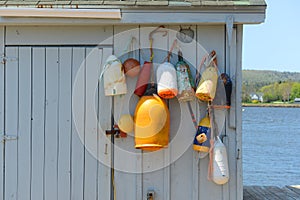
[(271, 146)]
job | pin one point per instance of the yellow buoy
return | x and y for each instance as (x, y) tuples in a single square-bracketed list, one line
[(202, 137), (152, 123), (125, 123), (207, 86)]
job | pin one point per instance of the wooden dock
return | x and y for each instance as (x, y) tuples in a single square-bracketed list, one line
[(271, 193)]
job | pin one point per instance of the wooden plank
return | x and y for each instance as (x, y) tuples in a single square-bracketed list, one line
[(125, 154), (90, 135), (182, 155), (238, 100), (265, 192), (77, 148), (2, 66), (294, 188), (64, 120), (46, 35), (200, 112), (11, 123), (62, 13), (38, 123), (51, 123), (291, 192), (210, 38), (231, 70), (182, 131), (104, 147), (247, 195), (24, 138), (229, 189), (153, 162)]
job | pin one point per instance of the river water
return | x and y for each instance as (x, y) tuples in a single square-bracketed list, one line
[(271, 146)]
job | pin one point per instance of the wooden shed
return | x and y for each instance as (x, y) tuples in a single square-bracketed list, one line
[(54, 115)]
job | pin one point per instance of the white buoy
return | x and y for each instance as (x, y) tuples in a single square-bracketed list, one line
[(220, 173), (114, 77), (166, 80)]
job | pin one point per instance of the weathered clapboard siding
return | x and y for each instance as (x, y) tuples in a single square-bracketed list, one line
[(62, 116)]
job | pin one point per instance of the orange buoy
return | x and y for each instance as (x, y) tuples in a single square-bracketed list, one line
[(143, 79), (152, 123), (131, 67)]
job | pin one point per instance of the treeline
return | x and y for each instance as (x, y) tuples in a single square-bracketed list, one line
[(271, 85), (285, 92)]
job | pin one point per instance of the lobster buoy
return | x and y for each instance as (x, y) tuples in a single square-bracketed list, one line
[(228, 87), (166, 81), (220, 174), (185, 80), (114, 77), (207, 86), (131, 67), (125, 123), (202, 138), (143, 79), (151, 123)]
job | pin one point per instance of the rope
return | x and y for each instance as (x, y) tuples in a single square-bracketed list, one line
[(151, 50), (175, 44), (213, 59), (211, 156), (192, 115)]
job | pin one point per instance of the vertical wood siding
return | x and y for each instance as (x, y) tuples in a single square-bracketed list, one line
[(57, 152), (38, 123), (11, 124), (2, 132)]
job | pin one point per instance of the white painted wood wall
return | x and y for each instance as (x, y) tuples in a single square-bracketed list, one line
[(49, 159)]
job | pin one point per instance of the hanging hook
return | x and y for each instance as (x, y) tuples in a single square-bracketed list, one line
[(151, 39), (213, 55), (157, 31)]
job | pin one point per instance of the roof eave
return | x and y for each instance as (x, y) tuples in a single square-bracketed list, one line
[(241, 14)]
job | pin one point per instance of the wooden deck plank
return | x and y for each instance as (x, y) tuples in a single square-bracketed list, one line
[(295, 189), (271, 193), (292, 192)]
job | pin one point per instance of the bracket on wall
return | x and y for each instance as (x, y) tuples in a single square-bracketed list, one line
[(117, 132), (5, 138)]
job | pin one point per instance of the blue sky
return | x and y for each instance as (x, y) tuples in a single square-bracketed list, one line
[(275, 44)]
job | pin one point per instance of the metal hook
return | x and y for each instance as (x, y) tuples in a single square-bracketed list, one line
[(157, 30), (151, 39)]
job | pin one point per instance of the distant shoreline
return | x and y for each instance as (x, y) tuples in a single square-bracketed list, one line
[(283, 105)]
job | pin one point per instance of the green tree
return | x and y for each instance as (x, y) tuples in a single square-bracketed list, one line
[(246, 94), (285, 90), (270, 92), (295, 93)]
